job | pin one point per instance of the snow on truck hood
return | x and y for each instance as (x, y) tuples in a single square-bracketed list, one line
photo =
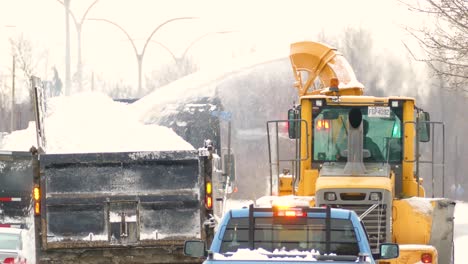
[(261, 254), (277, 256), (93, 122)]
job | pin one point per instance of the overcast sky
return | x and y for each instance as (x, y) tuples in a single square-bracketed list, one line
[(258, 26)]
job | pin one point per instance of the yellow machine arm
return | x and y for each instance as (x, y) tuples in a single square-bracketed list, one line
[(312, 59)]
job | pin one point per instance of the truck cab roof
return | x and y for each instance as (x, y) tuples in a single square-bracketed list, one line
[(335, 213)]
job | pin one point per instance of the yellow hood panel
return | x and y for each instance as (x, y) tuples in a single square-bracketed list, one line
[(354, 182)]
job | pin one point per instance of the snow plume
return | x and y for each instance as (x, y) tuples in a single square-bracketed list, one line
[(246, 89)]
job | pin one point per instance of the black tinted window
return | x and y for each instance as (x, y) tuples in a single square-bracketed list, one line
[(303, 234)]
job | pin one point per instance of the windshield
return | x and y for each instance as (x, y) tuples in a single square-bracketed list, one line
[(10, 241), (382, 132), (302, 234)]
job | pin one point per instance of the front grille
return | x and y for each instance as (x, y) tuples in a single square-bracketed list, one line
[(375, 222)]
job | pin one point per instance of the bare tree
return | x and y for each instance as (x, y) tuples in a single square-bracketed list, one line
[(445, 41), (171, 72), (27, 61), (5, 105), (120, 90)]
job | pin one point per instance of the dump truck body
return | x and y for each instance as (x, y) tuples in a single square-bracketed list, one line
[(136, 207)]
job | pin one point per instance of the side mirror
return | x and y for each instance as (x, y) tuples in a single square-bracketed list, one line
[(294, 124), (424, 132), (195, 248), (388, 251)]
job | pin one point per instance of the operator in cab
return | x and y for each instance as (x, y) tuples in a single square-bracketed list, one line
[(369, 144)]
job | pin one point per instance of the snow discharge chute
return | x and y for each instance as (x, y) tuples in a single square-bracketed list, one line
[(310, 60)]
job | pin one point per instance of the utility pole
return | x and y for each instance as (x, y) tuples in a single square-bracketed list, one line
[(78, 26), (12, 116), (67, 48), (92, 81), (12, 124)]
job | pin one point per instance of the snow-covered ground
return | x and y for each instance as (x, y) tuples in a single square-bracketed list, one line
[(461, 232)]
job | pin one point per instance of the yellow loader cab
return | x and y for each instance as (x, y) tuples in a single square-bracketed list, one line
[(362, 153)]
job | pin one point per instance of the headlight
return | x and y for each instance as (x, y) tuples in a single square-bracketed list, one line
[(375, 196), (330, 196)]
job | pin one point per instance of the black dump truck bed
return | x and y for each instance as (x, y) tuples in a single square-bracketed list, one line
[(120, 207)]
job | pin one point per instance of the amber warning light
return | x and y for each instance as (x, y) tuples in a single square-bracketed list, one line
[(289, 212), (334, 82), (37, 194), (323, 124), (37, 197), (208, 196)]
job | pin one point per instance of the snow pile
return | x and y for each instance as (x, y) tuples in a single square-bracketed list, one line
[(93, 122), (461, 231)]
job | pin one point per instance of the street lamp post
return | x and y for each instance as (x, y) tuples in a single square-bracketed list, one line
[(13, 69), (139, 55), (78, 26), (12, 125), (67, 48)]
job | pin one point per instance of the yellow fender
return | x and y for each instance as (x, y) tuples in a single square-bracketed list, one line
[(419, 223)]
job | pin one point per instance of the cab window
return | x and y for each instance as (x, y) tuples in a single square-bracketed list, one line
[(295, 234), (382, 134)]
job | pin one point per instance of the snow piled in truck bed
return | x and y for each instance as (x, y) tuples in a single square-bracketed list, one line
[(93, 122)]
